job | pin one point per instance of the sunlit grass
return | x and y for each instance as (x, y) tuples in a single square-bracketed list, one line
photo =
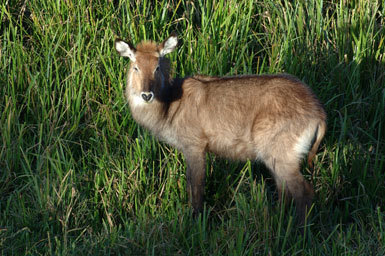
[(79, 176)]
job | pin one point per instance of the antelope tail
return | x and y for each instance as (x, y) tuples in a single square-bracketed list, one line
[(319, 134)]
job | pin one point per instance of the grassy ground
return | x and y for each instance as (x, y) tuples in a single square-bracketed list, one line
[(78, 176)]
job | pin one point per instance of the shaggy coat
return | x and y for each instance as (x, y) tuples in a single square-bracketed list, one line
[(275, 119)]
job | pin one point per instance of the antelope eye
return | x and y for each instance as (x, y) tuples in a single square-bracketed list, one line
[(136, 69)]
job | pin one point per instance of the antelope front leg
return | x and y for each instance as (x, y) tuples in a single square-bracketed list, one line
[(195, 176)]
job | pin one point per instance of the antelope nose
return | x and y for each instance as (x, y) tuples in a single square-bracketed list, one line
[(147, 96)]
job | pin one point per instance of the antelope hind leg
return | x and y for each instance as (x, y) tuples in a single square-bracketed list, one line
[(287, 176)]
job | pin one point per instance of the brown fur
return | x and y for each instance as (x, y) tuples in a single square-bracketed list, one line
[(275, 119)]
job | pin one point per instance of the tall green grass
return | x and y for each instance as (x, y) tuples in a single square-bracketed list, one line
[(79, 176)]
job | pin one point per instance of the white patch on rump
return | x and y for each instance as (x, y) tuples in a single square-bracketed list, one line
[(302, 146)]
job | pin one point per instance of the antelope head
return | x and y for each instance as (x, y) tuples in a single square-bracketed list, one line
[(149, 70)]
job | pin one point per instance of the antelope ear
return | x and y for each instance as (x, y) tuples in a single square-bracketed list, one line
[(168, 45), (125, 49)]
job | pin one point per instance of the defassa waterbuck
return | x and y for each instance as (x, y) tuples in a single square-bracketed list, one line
[(275, 119)]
